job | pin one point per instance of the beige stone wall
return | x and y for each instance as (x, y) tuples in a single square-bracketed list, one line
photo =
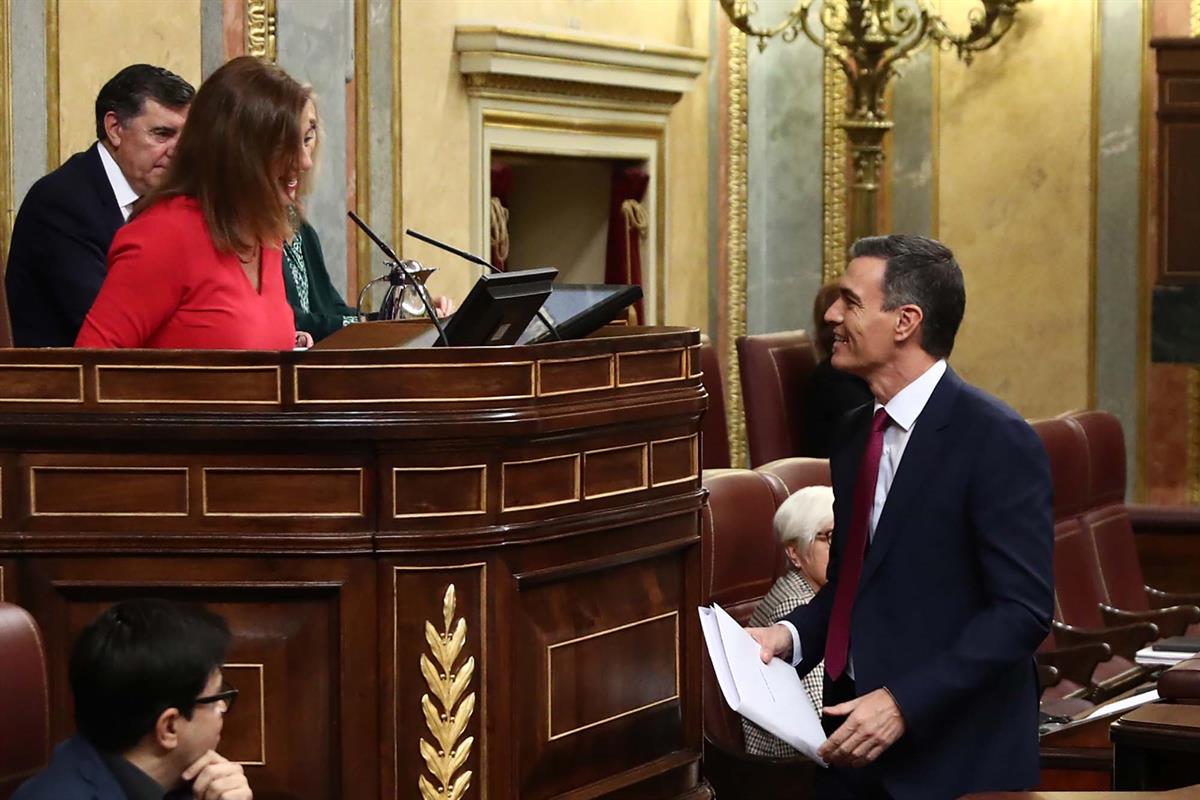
[(436, 134), (96, 38), (1014, 163)]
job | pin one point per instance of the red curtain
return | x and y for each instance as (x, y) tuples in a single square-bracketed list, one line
[(626, 228), (502, 181)]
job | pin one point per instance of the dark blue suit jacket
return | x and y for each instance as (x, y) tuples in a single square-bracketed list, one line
[(57, 259), (76, 772), (956, 594)]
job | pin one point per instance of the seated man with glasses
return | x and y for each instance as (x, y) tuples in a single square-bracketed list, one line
[(149, 706), (804, 525)]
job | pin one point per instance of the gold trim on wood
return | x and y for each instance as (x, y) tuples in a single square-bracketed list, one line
[(447, 723), (833, 154), (538, 375), (694, 467), (735, 320), (2, 583), (578, 478), (34, 470), (1193, 435), (261, 29), (250, 472), (551, 736), (472, 512), (483, 651), (53, 146), (349, 401), (78, 368), (1194, 18), (7, 210), (645, 476), (262, 712), (100, 368), (362, 139)]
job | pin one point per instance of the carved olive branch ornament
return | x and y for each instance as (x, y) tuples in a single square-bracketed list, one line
[(447, 720)]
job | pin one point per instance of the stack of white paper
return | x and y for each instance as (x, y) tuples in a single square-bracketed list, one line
[(770, 695), (1150, 657)]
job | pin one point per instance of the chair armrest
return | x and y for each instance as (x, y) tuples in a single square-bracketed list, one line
[(1165, 519), (1047, 676), (1160, 599), (1125, 640), (1172, 621), (1074, 663)]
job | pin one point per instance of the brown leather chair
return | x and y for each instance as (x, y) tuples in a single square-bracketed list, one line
[(775, 371), (1078, 586), (796, 473), (715, 428), (740, 557), (1106, 519), (24, 705)]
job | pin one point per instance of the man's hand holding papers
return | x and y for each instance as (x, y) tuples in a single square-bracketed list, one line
[(771, 694)]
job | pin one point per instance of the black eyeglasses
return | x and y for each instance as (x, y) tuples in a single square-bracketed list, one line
[(227, 694)]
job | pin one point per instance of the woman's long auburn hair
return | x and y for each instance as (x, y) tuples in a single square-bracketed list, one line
[(242, 133)]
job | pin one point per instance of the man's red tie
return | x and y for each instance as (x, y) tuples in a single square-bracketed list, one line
[(837, 640)]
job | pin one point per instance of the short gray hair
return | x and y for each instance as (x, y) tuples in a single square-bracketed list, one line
[(803, 515)]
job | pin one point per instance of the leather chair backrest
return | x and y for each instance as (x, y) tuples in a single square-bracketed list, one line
[(1106, 517), (1078, 584), (738, 558), (24, 704), (1067, 451), (788, 475), (715, 429), (775, 372)]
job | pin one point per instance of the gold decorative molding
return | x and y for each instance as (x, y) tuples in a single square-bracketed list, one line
[(362, 139), (1, 583), (261, 761), (397, 135), (448, 724), (260, 29), (833, 231), (52, 142), (488, 84), (7, 211), (736, 121), (1194, 18), (1193, 435)]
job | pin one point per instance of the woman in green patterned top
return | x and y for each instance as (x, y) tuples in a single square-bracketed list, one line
[(318, 306)]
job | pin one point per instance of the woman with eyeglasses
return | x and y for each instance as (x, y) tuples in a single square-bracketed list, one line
[(804, 525)]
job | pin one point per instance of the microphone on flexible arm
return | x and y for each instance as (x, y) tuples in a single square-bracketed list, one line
[(474, 259), (398, 276)]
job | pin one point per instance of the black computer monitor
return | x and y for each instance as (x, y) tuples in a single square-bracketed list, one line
[(577, 309), (498, 308)]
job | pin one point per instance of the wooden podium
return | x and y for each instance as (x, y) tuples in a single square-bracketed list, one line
[(440, 565)]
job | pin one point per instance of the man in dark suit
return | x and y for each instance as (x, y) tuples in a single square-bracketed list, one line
[(940, 582), (149, 707), (67, 221)]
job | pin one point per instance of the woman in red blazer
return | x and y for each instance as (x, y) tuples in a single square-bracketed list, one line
[(199, 265)]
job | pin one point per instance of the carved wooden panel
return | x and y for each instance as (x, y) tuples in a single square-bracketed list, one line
[(558, 376), (141, 383), (652, 366), (637, 662), (621, 621), (674, 460), (540, 482), (364, 383), (1179, 159), (107, 491), (615, 470), (293, 639), (283, 492), (439, 491), (51, 383)]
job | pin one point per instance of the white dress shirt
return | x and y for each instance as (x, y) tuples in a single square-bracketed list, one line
[(124, 193), (903, 409)]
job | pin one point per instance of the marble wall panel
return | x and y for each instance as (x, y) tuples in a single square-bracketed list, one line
[(784, 172), (27, 38), (316, 45)]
